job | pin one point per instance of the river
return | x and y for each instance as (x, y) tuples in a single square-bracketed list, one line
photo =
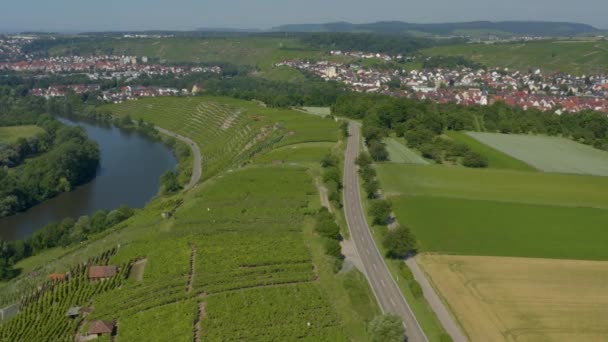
[(129, 173)]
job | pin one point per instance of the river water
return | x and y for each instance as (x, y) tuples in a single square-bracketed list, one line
[(129, 173)]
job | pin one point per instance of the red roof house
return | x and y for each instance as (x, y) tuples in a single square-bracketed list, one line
[(102, 272), (101, 327)]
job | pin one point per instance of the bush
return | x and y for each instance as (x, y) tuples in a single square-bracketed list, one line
[(371, 188), (399, 243), (368, 173), (329, 160), (326, 225), (377, 151), (474, 159), (418, 137), (364, 160), (380, 210), (430, 151), (333, 248), (387, 328)]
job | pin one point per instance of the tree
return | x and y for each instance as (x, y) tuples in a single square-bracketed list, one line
[(170, 182), (380, 210), (364, 159), (371, 188), (387, 328), (326, 224), (329, 160), (377, 151), (475, 160), (399, 243)]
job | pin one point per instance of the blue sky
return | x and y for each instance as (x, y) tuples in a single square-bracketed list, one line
[(79, 15)]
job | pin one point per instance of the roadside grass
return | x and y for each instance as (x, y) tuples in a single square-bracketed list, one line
[(482, 227), (496, 159), (549, 154), (569, 56), (494, 185), (399, 153), (523, 299), (10, 134)]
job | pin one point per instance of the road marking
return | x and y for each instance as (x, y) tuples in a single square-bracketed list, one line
[(367, 250), (375, 267), (382, 282), (393, 302)]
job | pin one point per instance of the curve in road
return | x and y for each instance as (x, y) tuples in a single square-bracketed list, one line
[(387, 293), (196, 152)]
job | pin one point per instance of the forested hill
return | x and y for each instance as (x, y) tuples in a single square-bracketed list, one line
[(517, 28)]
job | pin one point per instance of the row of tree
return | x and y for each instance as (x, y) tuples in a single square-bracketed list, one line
[(402, 115), (59, 234)]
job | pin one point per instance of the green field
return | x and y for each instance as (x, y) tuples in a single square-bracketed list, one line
[(399, 153), (12, 133), (496, 159), (569, 56), (549, 154), (237, 260), (228, 131), (500, 213)]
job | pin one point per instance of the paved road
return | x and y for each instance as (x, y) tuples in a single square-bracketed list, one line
[(196, 152), (385, 288), (442, 313)]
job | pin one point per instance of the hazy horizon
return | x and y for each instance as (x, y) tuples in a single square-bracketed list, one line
[(185, 15)]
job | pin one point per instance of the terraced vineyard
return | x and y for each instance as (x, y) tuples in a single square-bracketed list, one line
[(237, 259), (228, 132)]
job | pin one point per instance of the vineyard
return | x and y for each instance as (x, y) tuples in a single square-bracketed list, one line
[(228, 132), (45, 309), (235, 261)]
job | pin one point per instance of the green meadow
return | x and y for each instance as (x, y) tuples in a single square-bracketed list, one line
[(500, 212), (10, 134), (570, 56)]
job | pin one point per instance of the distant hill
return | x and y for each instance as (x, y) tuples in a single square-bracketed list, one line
[(475, 28)]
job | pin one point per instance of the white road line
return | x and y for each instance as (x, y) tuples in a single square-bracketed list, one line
[(393, 302)]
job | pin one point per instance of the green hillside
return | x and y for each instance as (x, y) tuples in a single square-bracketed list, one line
[(569, 56)]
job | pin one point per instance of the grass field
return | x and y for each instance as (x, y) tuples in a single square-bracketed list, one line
[(521, 299), (228, 131), (549, 154), (496, 159), (569, 56), (12, 133), (500, 213), (399, 153)]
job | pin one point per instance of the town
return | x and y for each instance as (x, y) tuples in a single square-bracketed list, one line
[(558, 92)]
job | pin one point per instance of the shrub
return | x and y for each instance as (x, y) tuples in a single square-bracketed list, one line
[(399, 243), (416, 289), (364, 160), (371, 188), (474, 159), (387, 328), (377, 151), (326, 225), (380, 211)]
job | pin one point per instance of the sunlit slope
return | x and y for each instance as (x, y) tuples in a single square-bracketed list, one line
[(229, 131)]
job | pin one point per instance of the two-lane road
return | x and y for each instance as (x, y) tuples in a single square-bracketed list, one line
[(385, 288), (196, 153)]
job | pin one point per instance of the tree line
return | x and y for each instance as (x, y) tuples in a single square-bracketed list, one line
[(58, 234)]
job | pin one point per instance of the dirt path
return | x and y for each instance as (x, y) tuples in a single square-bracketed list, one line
[(138, 269), (323, 196), (198, 326), (192, 268), (196, 153), (442, 313)]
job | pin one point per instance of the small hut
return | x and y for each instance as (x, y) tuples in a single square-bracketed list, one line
[(100, 328), (73, 312), (102, 272)]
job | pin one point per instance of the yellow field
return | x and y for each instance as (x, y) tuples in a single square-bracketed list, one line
[(521, 299)]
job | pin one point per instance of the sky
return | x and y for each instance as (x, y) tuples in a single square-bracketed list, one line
[(114, 15)]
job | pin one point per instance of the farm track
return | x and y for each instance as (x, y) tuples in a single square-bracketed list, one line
[(196, 153), (192, 267), (198, 326)]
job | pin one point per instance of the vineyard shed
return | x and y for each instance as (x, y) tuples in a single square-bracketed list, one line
[(101, 327), (101, 272)]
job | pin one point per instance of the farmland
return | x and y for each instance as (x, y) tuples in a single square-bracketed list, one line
[(496, 159), (520, 299), (12, 133), (501, 213), (570, 56), (549, 154), (237, 258), (229, 132), (399, 153)]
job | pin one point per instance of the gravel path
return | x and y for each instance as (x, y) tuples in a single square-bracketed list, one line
[(196, 152)]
